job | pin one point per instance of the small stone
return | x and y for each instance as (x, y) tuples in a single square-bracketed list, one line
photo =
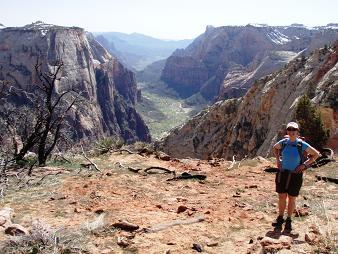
[(109, 174), (212, 244), (241, 205), (273, 245), (16, 229), (268, 241), (159, 206), (314, 229), (301, 212), (207, 212), (163, 156), (181, 209), (77, 210), (126, 234), (272, 248), (171, 243), (311, 238), (197, 247), (253, 186), (99, 211), (121, 241), (285, 240), (251, 241)]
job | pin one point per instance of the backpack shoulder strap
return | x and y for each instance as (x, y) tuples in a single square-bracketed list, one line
[(300, 151), (284, 142)]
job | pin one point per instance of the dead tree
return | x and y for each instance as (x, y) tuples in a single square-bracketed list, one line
[(48, 109)]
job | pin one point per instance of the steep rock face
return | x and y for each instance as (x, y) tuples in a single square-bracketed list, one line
[(249, 126), (225, 61), (109, 90)]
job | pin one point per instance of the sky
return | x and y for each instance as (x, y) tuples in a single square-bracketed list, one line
[(171, 19)]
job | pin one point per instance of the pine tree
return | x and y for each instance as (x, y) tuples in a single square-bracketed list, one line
[(311, 123)]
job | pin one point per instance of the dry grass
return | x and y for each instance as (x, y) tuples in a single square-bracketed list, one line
[(43, 239)]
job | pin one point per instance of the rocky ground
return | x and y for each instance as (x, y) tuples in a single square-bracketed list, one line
[(229, 212)]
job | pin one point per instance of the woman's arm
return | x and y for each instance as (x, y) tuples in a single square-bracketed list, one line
[(276, 151), (314, 154)]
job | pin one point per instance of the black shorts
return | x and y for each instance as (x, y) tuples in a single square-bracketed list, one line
[(287, 182)]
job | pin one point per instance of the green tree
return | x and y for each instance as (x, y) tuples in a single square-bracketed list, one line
[(311, 123)]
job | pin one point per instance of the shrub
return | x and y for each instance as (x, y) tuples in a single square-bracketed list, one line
[(107, 144), (311, 123)]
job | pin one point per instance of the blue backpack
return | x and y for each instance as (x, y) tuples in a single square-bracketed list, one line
[(299, 146)]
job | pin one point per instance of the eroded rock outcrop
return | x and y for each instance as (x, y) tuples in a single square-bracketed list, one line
[(225, 61), (250, 125), (108, 88)]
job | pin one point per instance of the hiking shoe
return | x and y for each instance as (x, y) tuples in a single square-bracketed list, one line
[(279, 222), (288, 226)]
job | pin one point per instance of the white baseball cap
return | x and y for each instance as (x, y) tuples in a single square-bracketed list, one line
[(292, 125)]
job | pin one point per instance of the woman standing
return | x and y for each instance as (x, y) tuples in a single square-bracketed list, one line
[(291, 163)]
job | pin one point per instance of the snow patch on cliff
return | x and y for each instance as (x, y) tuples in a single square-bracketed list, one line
[(278, 38)]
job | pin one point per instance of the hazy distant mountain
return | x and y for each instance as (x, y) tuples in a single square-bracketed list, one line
[(138, 50), (224, 62)]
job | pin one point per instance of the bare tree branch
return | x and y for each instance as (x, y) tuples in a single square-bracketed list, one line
[(84, 155)]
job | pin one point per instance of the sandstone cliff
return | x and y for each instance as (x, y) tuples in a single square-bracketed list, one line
[(250, 125), (108, 88), (225, 61)]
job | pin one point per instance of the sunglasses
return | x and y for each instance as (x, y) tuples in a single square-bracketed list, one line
[(291, 129)]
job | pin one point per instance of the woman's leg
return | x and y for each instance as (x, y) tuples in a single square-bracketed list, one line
[(291, 205), (282, 203), (291, 208), (281, 206)]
